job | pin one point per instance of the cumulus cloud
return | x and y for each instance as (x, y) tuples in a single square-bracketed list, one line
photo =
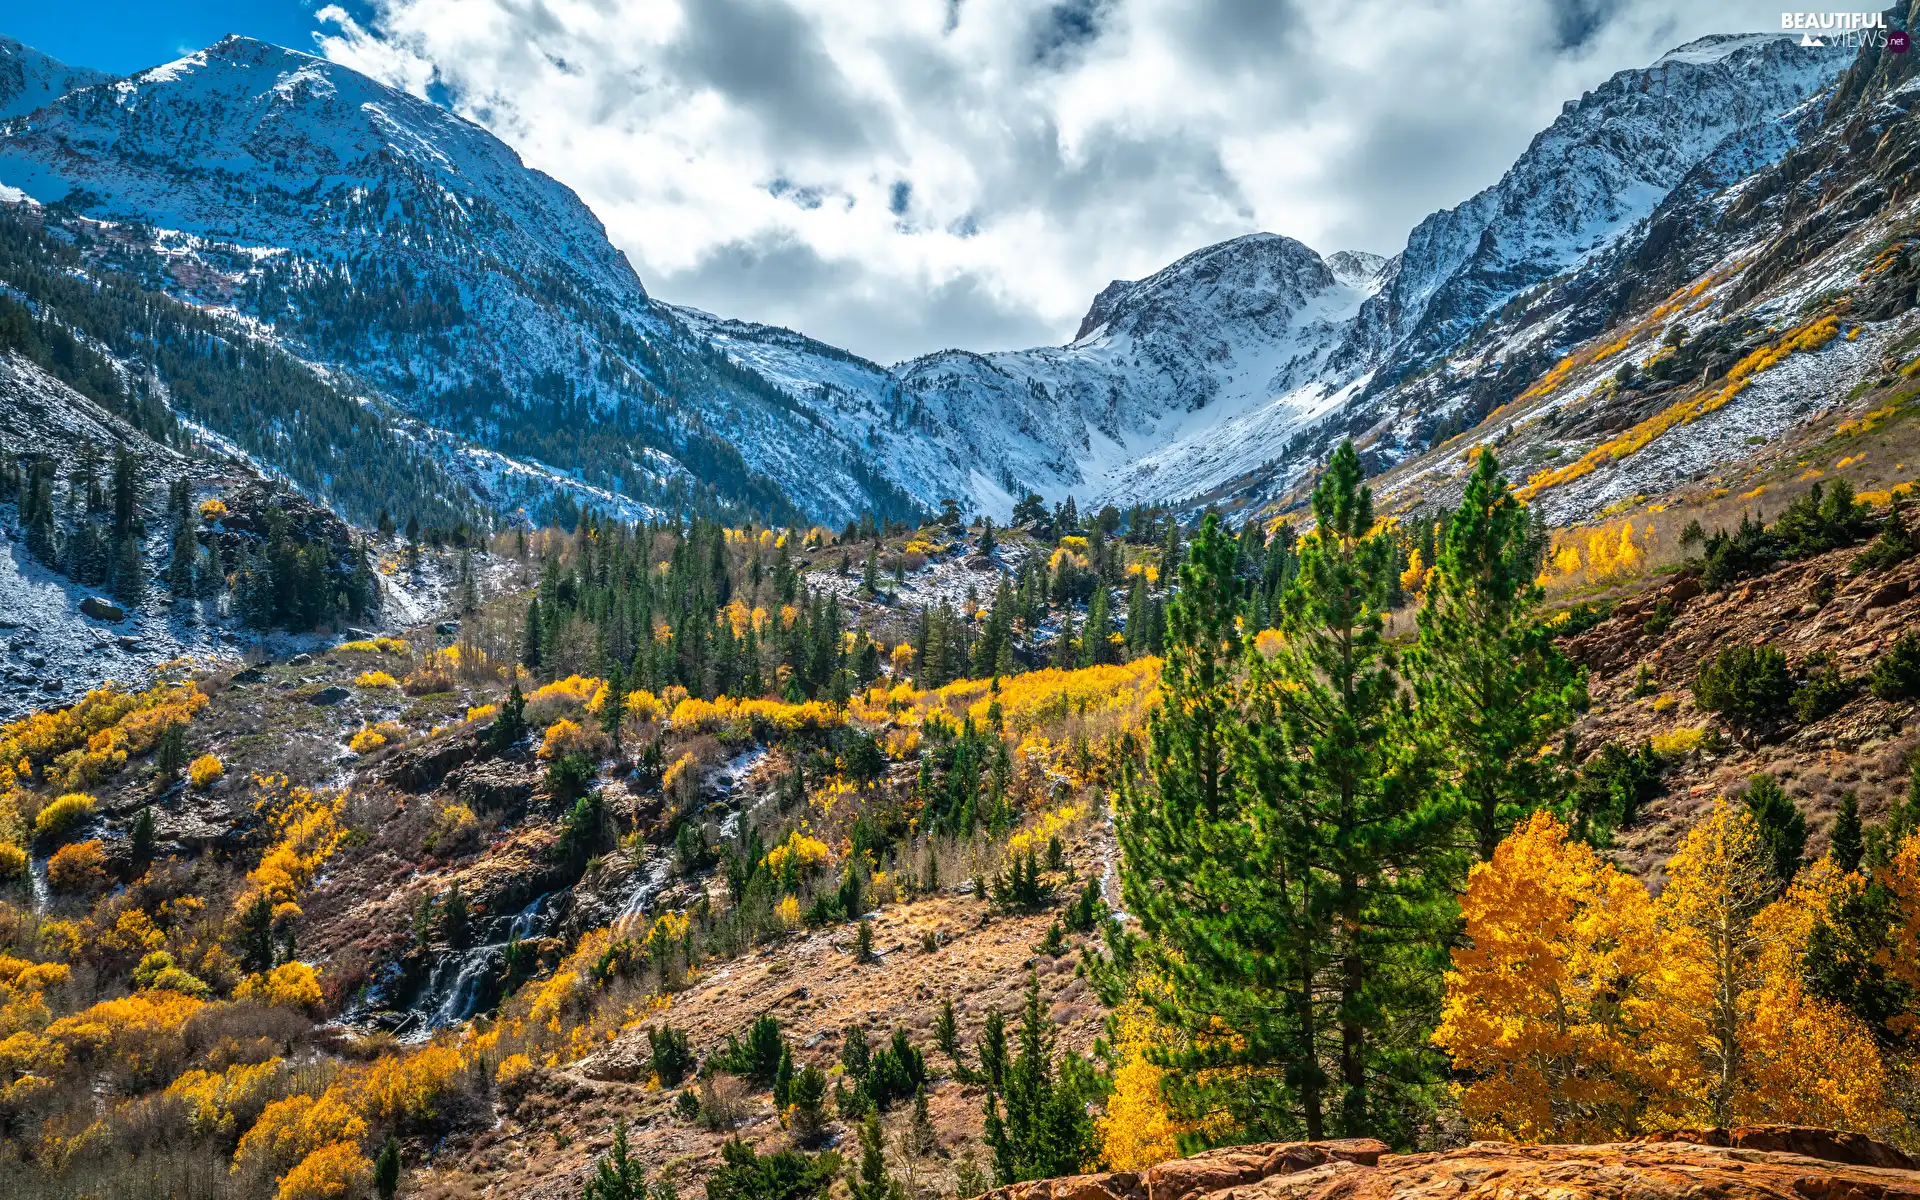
[(899, 176)]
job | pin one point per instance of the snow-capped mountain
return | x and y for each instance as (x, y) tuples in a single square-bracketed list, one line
[(1604, 163), (1230, 369), (402, 247), (388, 238), (30, 79)]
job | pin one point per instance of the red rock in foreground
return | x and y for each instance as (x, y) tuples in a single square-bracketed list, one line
[(1761, 1162)]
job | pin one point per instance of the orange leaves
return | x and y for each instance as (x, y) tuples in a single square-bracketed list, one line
[(1586, 1011), (307, 830), (80, 867), (289, 985), (1541, 1004), (336, 1171), (289, 1130)]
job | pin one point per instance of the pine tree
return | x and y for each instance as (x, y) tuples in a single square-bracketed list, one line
[(1845, 842), (1362, 820), (1094, 647), (617, 1175), (1782, 828), (530, 637), (870, 574), (511, 724), (170, 757), (143, 837), (872, 1181), (386, 1168), (1047, 1130), (1486, 671)]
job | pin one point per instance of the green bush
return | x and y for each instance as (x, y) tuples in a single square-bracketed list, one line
[(1824, 690), (1896, 675), (1746, 683)]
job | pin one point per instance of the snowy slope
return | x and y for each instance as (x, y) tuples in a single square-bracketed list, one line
[(1236, 363), (388, 238), (1604, 163), (30, 79)]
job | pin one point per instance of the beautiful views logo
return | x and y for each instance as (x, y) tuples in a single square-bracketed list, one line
[(1848, 29)]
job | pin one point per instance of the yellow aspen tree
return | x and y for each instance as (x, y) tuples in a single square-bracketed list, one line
[(1710, 963), (1138, 1130), (1902, 963), (1544, 1004), (1808, 1061)]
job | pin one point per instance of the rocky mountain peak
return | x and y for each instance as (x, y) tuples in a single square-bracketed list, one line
[(30, 79)]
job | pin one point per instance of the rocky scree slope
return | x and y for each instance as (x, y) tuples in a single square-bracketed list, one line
[(1671, 354), (381, 235)]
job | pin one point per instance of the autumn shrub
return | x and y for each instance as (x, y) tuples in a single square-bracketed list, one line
[(456, 830), (13, 863), (212, 510), (375, 679), (1896, 673), (64, 816), (205, 771), (80, 867), (292, 985), (290, 1129), (230, 1100), (1677, 742), (158, 970), (336, 1171), (565, 737), (414, 1091), (1745, 683)]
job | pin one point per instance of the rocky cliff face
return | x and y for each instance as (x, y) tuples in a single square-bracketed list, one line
[(1745, 1163)]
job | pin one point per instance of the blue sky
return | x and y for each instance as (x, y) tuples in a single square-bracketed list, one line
[(123, 36)]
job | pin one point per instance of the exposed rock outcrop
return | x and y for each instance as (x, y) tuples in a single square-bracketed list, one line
[(1744, 1163)]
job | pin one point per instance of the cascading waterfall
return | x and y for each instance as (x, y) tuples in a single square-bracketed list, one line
[(458, 983)]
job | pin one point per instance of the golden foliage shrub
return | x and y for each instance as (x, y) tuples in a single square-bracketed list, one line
[(64, 815), (306, 829), (409, 1089), (212, 510), (292, 985), (205, 771), (13, 862), (225, 1101), (78, 867), (375, 679), (289, 1130), (336, 1171)]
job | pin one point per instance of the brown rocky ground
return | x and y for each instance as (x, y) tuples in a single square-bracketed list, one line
[(1747, 1163), (1861, 748), (552, 1128)]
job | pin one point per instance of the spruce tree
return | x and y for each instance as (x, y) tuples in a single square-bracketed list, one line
[(1485, 668), (386, 1168), (1782, 828), (530, 637), (872, 1182), (1047, 1130), (143, 837), (1362, 822), (1094, 647), (1845, 842)]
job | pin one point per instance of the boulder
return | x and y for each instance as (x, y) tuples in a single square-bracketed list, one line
[(329, 695), (102, 610)]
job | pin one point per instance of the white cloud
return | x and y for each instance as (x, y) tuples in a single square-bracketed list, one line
[(898, 176)]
